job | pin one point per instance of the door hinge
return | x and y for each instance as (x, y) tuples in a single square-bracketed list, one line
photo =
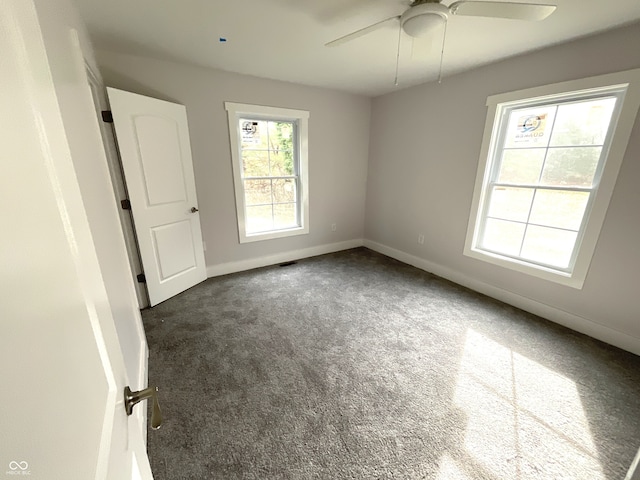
[(126, 204), (107, 116), (141, 278)]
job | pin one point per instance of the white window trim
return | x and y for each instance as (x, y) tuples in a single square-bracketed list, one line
[(301, 117), (617, 149)]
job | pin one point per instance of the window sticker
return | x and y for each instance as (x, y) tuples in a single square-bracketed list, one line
[(530, 128), (250, 131)]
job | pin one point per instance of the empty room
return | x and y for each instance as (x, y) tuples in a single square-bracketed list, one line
[(340, 239)]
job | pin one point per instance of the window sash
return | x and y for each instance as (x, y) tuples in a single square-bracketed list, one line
[(274, 177), (528, 223), (496, 153), (295, 177), (273, 203)]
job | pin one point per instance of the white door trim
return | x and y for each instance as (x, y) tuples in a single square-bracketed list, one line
[(101, 102)]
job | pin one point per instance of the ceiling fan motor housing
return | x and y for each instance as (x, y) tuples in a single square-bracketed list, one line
[(421, 20)]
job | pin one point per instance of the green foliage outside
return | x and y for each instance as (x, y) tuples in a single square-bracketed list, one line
[(270, 151), (284, 142)]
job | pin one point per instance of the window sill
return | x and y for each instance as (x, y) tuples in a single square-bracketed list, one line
[(258, 237), (573, 280)]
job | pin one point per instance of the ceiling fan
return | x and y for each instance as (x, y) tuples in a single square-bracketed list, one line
[(424, 16)]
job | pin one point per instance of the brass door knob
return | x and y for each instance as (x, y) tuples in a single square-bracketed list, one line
[(131, 398)]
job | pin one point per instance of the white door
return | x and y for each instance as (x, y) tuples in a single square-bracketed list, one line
[(153, 139), (62, 371)]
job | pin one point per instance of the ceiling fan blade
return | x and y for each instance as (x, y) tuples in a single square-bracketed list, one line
[(359, 33), (515, 11)]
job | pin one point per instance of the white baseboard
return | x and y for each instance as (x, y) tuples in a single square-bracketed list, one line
[(250, 263), (567, 319)]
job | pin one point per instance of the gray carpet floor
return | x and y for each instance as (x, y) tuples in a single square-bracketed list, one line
[(355, 366)]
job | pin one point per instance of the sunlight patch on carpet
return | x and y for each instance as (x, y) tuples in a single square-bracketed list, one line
[(450, 470), (523, 419)]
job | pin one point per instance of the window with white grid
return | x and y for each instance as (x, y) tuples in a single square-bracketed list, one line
[(543, 177), (270, 170)]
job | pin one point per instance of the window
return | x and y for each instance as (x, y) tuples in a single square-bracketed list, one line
[(549, 161), (269, 153)]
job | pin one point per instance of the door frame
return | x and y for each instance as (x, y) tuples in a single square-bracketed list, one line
[(99, 94)]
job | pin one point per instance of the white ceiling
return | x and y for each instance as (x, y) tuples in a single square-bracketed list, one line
[(284, 39)]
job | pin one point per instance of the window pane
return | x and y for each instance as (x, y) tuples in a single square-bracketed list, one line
[(267, 151), (281, 163), (284, 191), (521, 165), (253, 134), (284, 216), (583, 123), (571, 166), (282, 133), (530, 127), (259, 219), (255, 163), (557, 208), (549, 246), (502, 237), (511, 203), (257, 192)]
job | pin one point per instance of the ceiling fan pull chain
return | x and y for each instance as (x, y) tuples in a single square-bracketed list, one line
[(398, 55), (444, 36)]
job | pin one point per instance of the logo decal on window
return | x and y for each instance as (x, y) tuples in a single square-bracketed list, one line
[(250, 132), (531, 123)]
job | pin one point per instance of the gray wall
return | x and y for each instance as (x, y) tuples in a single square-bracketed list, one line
[(424, 145), (338, 148), (419, 148)]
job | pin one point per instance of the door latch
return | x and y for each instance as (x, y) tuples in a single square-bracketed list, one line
[(131, 398)]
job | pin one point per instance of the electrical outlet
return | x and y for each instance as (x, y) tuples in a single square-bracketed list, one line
[(333, 227), (420, 238)]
